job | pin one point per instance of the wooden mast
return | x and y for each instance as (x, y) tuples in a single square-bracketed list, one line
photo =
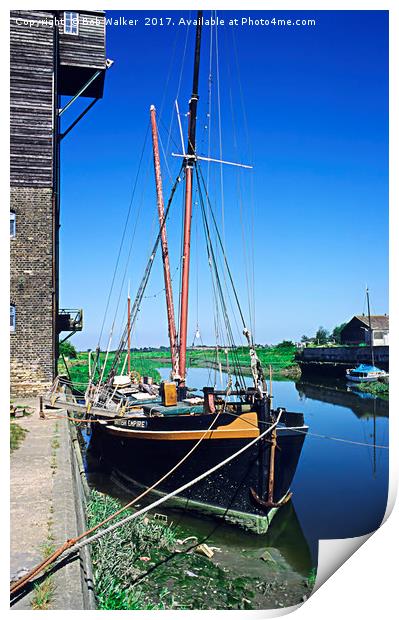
[(189, 162), (128, 332), (164, 245), (370, 330)]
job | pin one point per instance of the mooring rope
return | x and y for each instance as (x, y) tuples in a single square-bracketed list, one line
[(356, 443), (180, 489), (68, 545)]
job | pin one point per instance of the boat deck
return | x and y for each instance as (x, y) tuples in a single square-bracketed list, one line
[(180, 408)]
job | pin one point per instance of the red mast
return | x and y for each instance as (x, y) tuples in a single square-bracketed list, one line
[(128, 332), (189, 163), (164, 244)]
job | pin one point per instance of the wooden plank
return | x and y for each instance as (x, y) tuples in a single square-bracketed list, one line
[(102, 413)]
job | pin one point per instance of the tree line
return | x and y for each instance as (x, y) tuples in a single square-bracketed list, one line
[(323, 336)]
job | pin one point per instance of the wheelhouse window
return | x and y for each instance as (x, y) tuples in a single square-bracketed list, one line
[(71, 22), (12, 318), (12, 224)]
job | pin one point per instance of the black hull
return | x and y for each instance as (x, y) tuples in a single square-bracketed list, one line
[(225, 493)]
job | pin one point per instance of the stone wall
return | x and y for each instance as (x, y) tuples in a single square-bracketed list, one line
[(355, 355), (31, 290)]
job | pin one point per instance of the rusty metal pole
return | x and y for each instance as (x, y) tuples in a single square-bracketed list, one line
[(164, 245), (270, 489), (185, 275), (41, 412), (128, 333)]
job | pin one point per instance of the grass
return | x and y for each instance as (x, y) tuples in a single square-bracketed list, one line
[(146, 363), (79, 367), (17, 435), (279, 358), (117, 560), (44, 591), (142, 566), (43, 594), (377, 388), (311, 579), (55, 444), (24, 409)]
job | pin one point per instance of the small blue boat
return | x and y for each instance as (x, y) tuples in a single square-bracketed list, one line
[(365, 374)]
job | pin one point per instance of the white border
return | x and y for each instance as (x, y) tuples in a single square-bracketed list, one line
[(367, 584)]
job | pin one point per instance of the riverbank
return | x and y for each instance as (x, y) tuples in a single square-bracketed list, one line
[(377, 388), (159, 567), (146, 363)]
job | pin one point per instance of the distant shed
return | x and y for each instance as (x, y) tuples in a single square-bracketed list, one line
[(357, 331)]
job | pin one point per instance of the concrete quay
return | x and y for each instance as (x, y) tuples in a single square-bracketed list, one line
[(46, 509)]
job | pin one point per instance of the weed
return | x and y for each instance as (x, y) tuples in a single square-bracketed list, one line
[(311, 578), (17, 435), (137, 568), (43, 594), (26, 410)]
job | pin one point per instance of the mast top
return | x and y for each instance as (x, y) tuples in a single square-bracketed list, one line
[(191, 146)]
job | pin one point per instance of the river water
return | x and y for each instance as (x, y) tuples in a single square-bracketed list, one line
[(340, 487)]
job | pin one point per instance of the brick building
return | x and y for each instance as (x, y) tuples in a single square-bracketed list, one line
[(52, 53)]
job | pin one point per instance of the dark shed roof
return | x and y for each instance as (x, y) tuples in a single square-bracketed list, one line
[(378, 321)]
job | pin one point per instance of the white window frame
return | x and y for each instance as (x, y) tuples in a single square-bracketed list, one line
[(13, 317), (13, 224), (73, 23)]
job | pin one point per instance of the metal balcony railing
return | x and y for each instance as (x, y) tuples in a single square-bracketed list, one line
[(70, 320)]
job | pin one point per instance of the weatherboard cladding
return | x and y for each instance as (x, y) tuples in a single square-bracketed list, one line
[(32, 63), (87, 48), (31, 100)]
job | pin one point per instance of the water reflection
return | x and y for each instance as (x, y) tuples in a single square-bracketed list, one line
[(338, 393), (339, 490)]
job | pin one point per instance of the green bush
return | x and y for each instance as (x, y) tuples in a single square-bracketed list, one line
[(68, 350)]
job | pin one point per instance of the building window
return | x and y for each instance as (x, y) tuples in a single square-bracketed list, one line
[(12, 224), (378, 335), (12, 318), (71, 22)]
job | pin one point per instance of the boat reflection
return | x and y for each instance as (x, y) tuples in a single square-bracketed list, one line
[(338, 393)]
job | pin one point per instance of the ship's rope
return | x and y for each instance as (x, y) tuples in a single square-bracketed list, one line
[(75, 544), (209, 126), (180, 489), (214, 271), (348, 441), (178, 86), (237, 415), (251, 256), (219, 107), (123, 235), (68, 544), (319, 436), (200, 178), (133, 236), (143, 284), (247, 247)]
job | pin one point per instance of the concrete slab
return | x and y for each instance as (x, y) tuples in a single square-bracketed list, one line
[(42, 503)]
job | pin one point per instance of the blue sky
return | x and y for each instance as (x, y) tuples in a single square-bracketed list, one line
[(307, 106)]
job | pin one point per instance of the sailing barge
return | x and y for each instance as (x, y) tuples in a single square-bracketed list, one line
[(165, 436)]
